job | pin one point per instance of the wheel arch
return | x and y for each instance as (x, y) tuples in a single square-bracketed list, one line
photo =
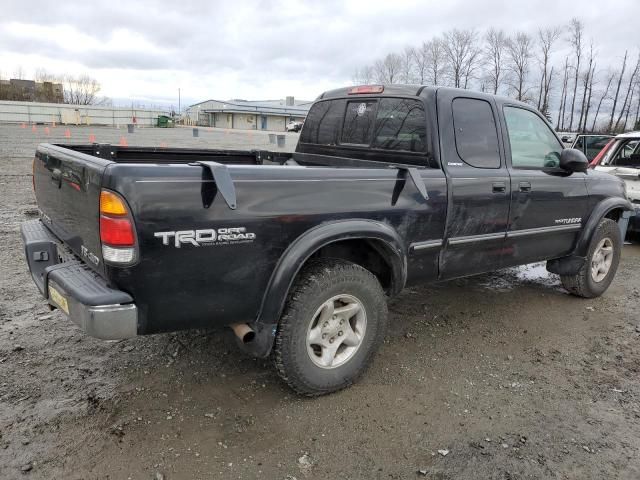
[(380, 237), (613, 208)]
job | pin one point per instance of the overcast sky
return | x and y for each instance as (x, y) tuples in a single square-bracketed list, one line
[(146, 50)]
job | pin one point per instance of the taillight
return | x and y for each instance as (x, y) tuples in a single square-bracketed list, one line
[(366, 89), (117, 232)]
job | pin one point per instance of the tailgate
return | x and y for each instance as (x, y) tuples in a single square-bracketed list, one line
[(67, 187)]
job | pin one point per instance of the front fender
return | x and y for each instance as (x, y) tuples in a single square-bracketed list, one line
[(311, 241), (598, 213)]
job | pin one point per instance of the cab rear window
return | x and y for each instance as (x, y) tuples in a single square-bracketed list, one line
[(386, 123)]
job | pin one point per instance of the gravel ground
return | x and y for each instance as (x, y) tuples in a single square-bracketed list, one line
[(500, 376)]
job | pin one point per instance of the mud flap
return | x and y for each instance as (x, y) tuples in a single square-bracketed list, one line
[(570, 265), (623, 223)]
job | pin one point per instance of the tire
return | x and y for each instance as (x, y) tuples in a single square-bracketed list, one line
[(583, 284), (322, 288)]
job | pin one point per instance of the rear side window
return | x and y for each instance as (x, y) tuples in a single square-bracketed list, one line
[(323, 123), (400, 125), (358, 122), (476, 133)]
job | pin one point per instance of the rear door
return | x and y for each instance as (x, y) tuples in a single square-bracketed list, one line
[(67, 187), (479, 184), (548, 205)]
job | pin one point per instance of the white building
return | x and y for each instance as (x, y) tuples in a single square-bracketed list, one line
[(248, 115)]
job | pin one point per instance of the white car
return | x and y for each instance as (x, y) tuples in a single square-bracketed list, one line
[(294, 126), (621, 157)]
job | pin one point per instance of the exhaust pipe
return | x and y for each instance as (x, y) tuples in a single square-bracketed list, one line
[(244, 332)]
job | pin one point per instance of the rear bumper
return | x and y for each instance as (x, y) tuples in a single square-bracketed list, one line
[(69, 285)]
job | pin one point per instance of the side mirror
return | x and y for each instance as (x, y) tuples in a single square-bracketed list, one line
[(573, 160)]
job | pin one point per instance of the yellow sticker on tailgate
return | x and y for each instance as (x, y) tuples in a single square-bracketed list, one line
[(58, 299)]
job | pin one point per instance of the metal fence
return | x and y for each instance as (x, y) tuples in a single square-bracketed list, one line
[(65, 114)]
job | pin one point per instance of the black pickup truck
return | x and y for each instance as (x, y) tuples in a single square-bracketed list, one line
[(389, 186)]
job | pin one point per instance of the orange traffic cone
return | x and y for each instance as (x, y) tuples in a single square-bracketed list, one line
[(67, 133), (34, 129), (23, 125), (92, 138), (123, 142), (46, 130)]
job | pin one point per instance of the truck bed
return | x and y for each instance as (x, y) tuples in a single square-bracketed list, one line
[(163, 155)]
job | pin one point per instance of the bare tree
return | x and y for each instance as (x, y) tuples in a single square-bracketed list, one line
[(18, 73), (563, 95), (636, 124), (494, 52), (518, 57), (589, 97), (626, 117), (615, 99), (586, 77), (364, 75), (42, 75), (388, 70), (408, 66), (576, 42), (462, 55), (421, 59), (546, 39), (602, 97), (437, 61), (81, 90), (629, 91)]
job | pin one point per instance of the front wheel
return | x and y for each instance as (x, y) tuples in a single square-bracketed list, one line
[(603, 258), (333, 323)]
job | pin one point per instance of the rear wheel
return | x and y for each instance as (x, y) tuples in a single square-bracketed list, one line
[(603, 258), (333, 323)]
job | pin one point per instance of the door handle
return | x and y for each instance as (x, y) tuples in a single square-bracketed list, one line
[(525, 186), (499, 187)]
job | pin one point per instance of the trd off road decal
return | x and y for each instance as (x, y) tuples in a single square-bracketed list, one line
[(206, 237)]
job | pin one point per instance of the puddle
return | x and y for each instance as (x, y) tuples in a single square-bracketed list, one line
[(509, 278)]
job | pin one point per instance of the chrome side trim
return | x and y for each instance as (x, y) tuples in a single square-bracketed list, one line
[(476, 238), (537, 231), (425, 245)]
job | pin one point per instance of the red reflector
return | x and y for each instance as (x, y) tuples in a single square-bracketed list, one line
[(366, 89), (116, 231)]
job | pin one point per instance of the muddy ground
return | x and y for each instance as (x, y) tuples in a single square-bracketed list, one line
[(507, 373)]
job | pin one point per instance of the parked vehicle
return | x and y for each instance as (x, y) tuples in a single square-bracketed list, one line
[(389, 186), (294, 126), (621, 157), (567, 138), (591, 145)]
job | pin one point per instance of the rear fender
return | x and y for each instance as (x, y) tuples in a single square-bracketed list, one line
[(310, 242)]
